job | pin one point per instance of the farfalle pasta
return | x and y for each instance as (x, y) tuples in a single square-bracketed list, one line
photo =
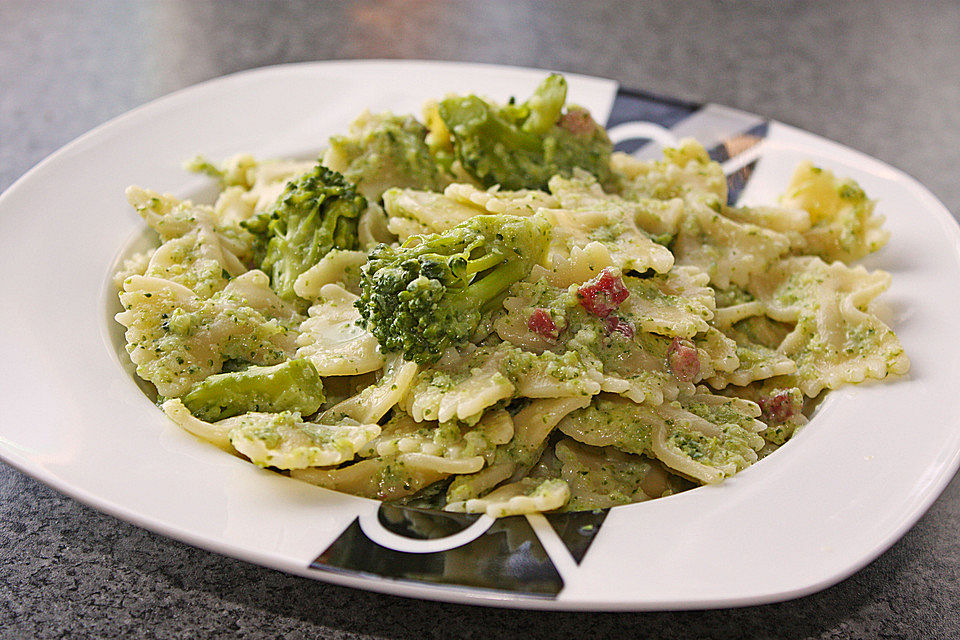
[(432, 314)]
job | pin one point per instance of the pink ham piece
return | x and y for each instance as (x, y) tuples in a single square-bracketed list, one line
[(683, 360), (543, 325), (779, 406), (602, 295)]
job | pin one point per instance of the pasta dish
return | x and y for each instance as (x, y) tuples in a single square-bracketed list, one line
[(490, 311)]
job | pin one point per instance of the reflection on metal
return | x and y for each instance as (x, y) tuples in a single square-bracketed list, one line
[(737, 144), (423, 524), (737, 181), (637, 106), (506, 557), (577, 530)]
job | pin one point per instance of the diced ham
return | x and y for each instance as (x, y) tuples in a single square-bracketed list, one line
[(779, 406), (619, 325), (602, 295), (578, 122), (543, 325), (683, 360)]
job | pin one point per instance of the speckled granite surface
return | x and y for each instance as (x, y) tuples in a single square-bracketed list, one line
[(882, 77)]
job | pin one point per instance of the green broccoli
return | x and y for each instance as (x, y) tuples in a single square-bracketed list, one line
[(522, 146), (432, 292), (293, 385), (316, 213)]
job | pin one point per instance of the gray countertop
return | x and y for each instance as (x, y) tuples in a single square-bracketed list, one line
[(881, 77)]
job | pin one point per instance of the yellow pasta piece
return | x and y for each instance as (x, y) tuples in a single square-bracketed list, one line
[(843, 225), (403, 434)]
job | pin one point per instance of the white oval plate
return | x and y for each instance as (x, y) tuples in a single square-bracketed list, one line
[(869, 464)]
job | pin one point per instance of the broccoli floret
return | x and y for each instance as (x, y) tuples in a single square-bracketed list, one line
[(522, 146), (317, 212), (293, 385), (433, 291)]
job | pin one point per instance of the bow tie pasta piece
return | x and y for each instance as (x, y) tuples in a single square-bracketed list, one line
[(522, 202), (716, 353), (253, 288), (513, 460), (659, 218), (337, 267), (842, 222), (217, 433), (280, 440), (787, 220), (285, 441), (836, 338), (375, 400), (177, 338), (609, 420), (735, 304), (609, 221), (698, 445), (551, 375), (412, 212), (382, 151), (460, 388), (387, 478), (702, 436), (194, 262), (635, 367), (781, 403), (647, 367), (571, 265), (685, 172), (731, 252), (603, 477), (333, 339), (195, 252), (249, 186), (676, 304), (757, 339), (528, 495), (451, 440)]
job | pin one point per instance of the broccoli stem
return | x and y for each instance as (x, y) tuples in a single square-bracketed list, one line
[(483, 292), (293, 385)]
